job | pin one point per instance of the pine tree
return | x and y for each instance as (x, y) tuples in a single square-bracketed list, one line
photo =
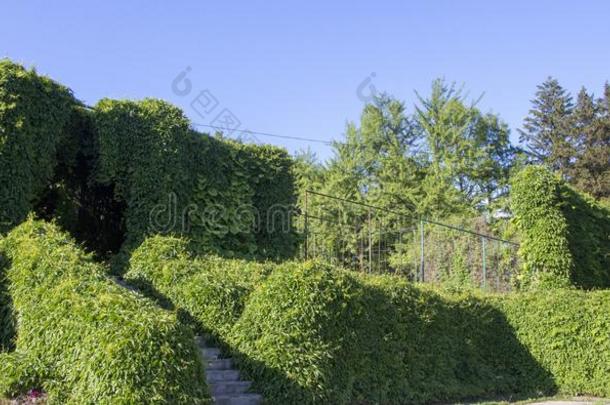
[(546, 132), (591, 170)]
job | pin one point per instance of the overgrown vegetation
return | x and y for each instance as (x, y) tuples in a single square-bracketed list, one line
[(310, 333), (35, 114), (82, 338), (565, 234), (121, 171)]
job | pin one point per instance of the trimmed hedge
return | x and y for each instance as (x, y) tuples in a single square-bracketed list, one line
[(35, 116), (7, 316), (311, 333), (84, 339), (565, 235)]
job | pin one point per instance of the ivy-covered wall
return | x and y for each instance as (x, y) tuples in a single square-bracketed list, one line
[(228, 198), (122, 170), (35, 117), (565, 235)]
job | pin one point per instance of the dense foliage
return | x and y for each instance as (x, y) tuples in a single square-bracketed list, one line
[(173, 180), (212, 290), (573, 139), (84, 339), (311, 333), (566, 332), (565, 234), (35, 117)]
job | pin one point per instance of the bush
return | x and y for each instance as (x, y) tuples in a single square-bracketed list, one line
[(35, 114), (173, 180), (212, 290), (336, 338), (84, 339), (565, 235), (7, 316), (311, 333), (567, 332)]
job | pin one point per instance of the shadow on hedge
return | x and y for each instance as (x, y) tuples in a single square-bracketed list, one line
[(415, 346), (397, 343), (401, 344), (7, 315)]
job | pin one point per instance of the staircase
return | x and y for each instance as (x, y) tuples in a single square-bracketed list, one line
[(223, 380)]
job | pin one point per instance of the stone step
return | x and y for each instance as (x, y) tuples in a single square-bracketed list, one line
[(212, 376), (219, 364), (210, 353), (229, 387), (242, 399)]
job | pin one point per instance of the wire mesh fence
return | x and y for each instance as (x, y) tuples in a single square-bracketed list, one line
[(372, 239)]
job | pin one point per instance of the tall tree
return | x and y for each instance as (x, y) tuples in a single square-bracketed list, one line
[(546, 130), (591, 119), (469, 153)]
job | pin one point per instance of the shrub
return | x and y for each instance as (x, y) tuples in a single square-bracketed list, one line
[(92, 341), (173, 180), (211, 289), (565, 235), (293, 338), (568, 333), (336, 338), (35, 115), (311, 333), (7, 317)]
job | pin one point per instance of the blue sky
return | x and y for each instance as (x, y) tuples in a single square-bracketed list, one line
[(293, 68)]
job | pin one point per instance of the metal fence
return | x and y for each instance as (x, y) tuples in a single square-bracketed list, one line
[(363, 237)]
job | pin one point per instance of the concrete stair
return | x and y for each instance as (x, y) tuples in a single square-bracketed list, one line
[(223, 380)]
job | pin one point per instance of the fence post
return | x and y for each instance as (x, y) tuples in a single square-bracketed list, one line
[(484, 254), (422, 249)]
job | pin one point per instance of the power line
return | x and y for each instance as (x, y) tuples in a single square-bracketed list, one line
[(294, 138)]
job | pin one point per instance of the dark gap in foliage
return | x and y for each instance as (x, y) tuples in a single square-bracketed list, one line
[(80, 205), (8, 322)]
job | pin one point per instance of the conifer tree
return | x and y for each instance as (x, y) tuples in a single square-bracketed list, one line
[(546, 132), (591, 170)]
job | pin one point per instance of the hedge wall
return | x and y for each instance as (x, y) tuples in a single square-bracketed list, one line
[(568, 333), (173, 180), (310, 333), (313, 334), (35, 114), (84, 339), (121, 171), (211, 289), (565, 235)]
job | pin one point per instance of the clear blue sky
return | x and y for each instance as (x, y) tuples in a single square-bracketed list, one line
[(293, 67)]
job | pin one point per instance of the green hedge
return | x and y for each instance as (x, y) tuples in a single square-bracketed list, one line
[(84, 339), (568, 333), (565, 235), (35, 116), (311, 333), (174, 180), (212, 290), (7, 316), (314, 334)]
